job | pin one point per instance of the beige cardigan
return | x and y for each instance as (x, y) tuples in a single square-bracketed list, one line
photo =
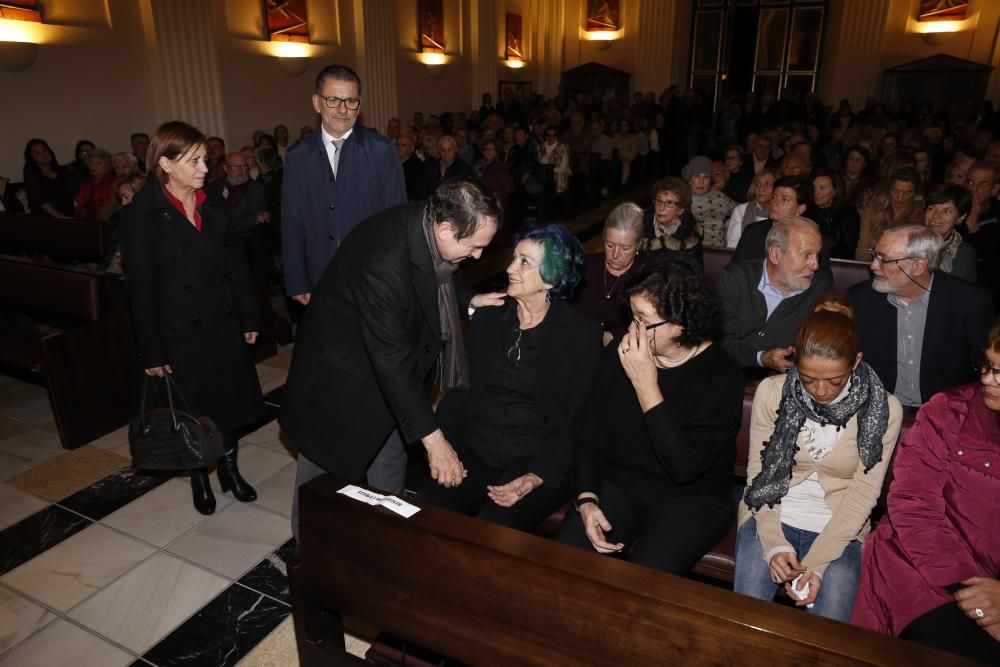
[(850, 493)]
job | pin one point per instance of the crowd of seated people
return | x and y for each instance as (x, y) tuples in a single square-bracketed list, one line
[(789, 184)]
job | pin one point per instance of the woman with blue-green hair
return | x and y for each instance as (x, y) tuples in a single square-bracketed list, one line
[(531, 364)]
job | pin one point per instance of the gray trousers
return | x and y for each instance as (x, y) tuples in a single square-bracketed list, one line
[(386, 473)]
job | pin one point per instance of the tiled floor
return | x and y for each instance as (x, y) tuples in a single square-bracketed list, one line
[(103, 565)]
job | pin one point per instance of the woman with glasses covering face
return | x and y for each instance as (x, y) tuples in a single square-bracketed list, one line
[(821, 439), (655, 463), (531, 363), (930, 568)]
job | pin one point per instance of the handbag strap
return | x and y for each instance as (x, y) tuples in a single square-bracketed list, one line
[(170, 400)]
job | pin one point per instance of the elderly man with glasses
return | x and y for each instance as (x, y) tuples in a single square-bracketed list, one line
[(920, 328)]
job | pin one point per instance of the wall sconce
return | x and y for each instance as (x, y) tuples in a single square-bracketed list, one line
[(293, 57), (936, 33), (435, 63), (515, 67), (602, 39), (18, 45)]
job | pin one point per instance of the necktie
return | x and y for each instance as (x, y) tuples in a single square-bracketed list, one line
[(337, 147)]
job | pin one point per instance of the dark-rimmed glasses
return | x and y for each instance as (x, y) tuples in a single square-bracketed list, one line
[(650, 327), (352, 103), (985, 367), (665, 203), (879, 259)]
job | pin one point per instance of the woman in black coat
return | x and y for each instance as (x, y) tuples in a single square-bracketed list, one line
[(531, 364), (192, 301)]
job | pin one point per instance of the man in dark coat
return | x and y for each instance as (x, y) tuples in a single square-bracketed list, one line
[(413, 166), (246, 200), (449, 165), (765, 300), (920, 328), (382, 318), (338, 177)]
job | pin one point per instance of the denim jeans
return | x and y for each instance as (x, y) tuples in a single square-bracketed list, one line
[(840, 581)]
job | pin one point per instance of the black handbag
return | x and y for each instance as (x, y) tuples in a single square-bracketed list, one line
[(172, 439)]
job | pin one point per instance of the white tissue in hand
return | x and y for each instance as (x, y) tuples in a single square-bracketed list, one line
[(802, 593)]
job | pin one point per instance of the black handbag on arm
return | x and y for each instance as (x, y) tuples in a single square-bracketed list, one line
[(170, 438)]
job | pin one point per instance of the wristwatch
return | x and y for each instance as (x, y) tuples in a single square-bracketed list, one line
[(584, 501)]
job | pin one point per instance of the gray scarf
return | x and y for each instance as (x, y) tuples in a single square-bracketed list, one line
[(753, 213), (866, 397), (452, 364)]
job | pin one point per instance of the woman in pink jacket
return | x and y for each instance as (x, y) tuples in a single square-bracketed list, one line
[(930, 569)]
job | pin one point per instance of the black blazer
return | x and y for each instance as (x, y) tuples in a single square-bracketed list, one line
[(571, 350), (250, 201), (959, 316), (191, 300), (366, 346), (746, 328), (432, 174)]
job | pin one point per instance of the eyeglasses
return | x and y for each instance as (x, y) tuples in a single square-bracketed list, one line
[(985, 367), (879, 259), (666, 203), (352, 103), (514, 351), (650, 327)]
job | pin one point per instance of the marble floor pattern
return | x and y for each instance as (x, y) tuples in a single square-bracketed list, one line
[(104, 565)]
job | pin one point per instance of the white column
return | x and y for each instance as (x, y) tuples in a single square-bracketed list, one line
[(483, 50), (376, 58), (189, 64), (657, 34), (852, 56)]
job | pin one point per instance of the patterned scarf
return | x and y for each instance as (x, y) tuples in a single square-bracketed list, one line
[(453, 365), (866, 397)]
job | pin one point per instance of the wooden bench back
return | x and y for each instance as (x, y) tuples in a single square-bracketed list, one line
[(54, 238), (846, 272), (487, 595)]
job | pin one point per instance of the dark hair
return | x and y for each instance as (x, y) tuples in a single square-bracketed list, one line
[(678, 186), (269, 138), (993, 337), (908, 175), (462, 202), (79, 145), (825, 172), (860, 150), (801, 186), (737, 148), (269, 157), (136, 135), (171, 140), (985, 165), (29, 162), (339, 73), (562, 257), (829, 332), (955, 194), (681, 295), (219, 139)]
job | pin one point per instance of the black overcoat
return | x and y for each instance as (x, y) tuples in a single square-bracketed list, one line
[(191, 300)]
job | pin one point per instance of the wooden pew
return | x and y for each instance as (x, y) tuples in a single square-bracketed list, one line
[(55, 238), (487, 595), (69, 330), (846, 272)]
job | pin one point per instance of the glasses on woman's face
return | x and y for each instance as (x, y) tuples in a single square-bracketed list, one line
[(665, 203), (986, 367)]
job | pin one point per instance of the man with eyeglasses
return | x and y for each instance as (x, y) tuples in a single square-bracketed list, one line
[(333, 180), (919, 327)]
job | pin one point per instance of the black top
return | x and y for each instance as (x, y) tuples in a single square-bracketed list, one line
[(840, 226), (506, 424), (600, 294), (57, 192), (685, 446)]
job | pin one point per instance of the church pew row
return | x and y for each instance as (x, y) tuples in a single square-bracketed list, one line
[(483, 594)]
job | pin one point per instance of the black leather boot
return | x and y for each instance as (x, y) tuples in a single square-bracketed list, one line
[(201, 491), (230, 478)]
